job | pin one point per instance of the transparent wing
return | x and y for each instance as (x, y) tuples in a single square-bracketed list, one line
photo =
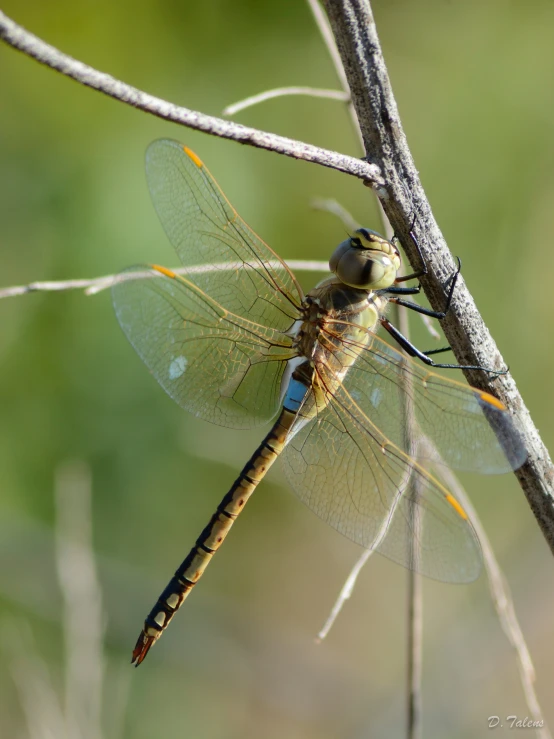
[(454, 416), (222, 254), (354, 478), (215, 364)]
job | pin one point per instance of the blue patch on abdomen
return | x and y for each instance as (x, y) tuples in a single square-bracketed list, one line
[(296, 392)]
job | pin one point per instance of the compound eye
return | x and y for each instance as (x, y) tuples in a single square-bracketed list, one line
[(363, 267)]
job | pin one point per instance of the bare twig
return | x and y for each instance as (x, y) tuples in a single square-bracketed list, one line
[(31, 45), (80, 716), (313, 92), (326, 32), (414, 596), (414, 652), (380, 536), (95, 285), (84, 623), (345, 593), (344, 96), (385, 143)]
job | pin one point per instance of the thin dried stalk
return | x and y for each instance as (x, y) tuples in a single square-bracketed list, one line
[(94, 285), (31, 45), (82, 596), (262, 97)]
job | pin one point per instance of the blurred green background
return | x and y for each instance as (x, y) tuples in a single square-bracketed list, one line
[(473, 82)]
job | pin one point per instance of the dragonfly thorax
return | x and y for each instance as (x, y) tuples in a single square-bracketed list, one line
[(338, 324), (334, 313)]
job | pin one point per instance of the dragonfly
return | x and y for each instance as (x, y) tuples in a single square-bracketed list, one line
[(231, 338)]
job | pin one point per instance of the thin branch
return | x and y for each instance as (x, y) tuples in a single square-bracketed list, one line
[(261, 97), (48, 287), (414, 652), (385, 143), (345, 593), (20, 39), (82, 596), (380, 536), (326, 32), (95, 285), (414, 596)]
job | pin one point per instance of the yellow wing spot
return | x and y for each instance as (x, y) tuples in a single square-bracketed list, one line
[(191, 155), (491, 400), (457, 507), (164, 271)]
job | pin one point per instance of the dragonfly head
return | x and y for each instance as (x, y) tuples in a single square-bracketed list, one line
[(366, 260)]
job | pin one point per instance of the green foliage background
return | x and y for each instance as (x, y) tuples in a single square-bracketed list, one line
[(473, 82)]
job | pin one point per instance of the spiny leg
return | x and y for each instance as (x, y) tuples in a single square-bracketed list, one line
[(420, 309), (413, 351)]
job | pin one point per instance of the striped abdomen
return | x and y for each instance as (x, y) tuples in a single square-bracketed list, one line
[(212, 537)]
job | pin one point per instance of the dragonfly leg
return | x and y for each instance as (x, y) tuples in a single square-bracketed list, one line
[(437, 351), (423, 270), (427, 311), (401, 291), (419, 308), (411, 276), (413, 351)]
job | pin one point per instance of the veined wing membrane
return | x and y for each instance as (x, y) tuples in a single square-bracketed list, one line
[(354, 478), (217, 365), (455, 416), (222, 254)]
